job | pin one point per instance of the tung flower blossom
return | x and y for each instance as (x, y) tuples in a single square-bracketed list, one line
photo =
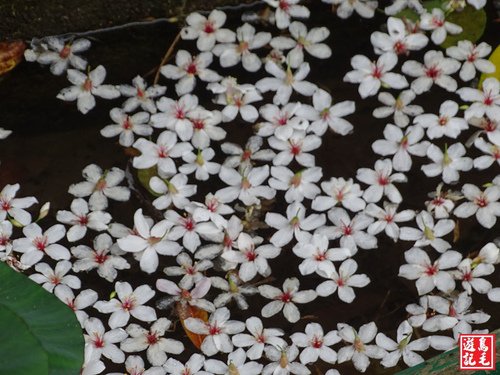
[(207, 30)]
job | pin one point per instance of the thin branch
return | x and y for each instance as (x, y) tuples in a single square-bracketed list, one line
[(167, 56)]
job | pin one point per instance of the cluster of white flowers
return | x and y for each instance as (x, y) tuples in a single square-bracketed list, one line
[(214, 252)]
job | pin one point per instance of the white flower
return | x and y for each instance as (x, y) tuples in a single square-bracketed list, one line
[(102, 342), (258, 338), (236, 364), (280, 122), (295, 224), (184, 297), (207, 30), (104, 255), (216, 331), (203, 128), (248, 187), (5, 240), (86, 86), (213, 210), (4, 133), (303, 40), (232, 290), (284, 82), (283, 361), (341, 191), (388, 217), (486, 102), (85, 299), (253, 259), (187, 68), (401, 145), (192, 366), (232, 230), (54, 278), (152, 341), (448, 163), (100, 185), (381, 181), (445, 124), (139, 95), (350, 231), (36, 244), (316, 254), (297, 147), (398, 5), (430, 275), (161, 153), (286, 9), (418, 312), (492, 154), (244, 157), (341, 281), (442, 202), (298, 185), (482, 203), (129, 303), (428, 232), (402, 346), (372, 75), (399, 40), (125, 126), (80, 219), (174, 114), (285, 299), (14, 207), (399, 107), (134, 365), (472, 57), (248, 40), (191, 273), (345, 8), (173, 191), (470, 275), (323, 114), (60, 54), (436, 22), (316, 344), (200, 164), (436, 69), (148, 241), (190, 230), (359, 352)]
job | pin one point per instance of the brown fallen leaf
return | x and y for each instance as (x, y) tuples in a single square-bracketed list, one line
[(11, 54)]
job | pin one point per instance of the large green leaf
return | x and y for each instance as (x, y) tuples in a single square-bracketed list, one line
[(39, 334)]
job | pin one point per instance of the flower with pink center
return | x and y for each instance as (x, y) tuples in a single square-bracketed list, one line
[(281, 122), (36, 244), (60, 54), (387, 219), (436, 22), (470, 274), (212, 210), (285, 10), (139, 95), (299, 185), (226, 242), (105, 256), (491, 151), (473, 58), (398, 40), (102, 342), (129, 303), (430, 275), (243, 157), (258, 338), (207, 30), (381, 181), (358, 349), (446, 124), (482, 203), (345, 8), (342, 191), (191, 367), (100, 186), (126, 126), (485, 101), (372, 75), (285, 299), (436, 69), (298, 147), (78, 304), (204, 128), (342, 281), (295, 224), (55, 278), (216, 331), (185, 297), (174, 114), (80, 219), (14, 207), (316, 344), (187, 68), (442, 202), (191, 272), (283, 361), (152, 341)]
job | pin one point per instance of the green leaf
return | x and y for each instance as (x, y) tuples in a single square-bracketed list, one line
[(473, 23), (144, 175), (40, 335)]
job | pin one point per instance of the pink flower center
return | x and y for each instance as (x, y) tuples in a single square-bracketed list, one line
[(286, 297), (467, 276), (198, 124), (488, 100), (320, 256), (438, 201), (433, 72), (481, 201), (212, 205), (472, 57), (127, 125), (383, 180), (188, 224), (98, 341), (4, 240), (152, 338), (452, 312), (389, 218), (340, 282), (5, 205), (179, 114), (261, 338), (128, 304), (443, 120), (213, 330), (490, 126), (190, 270), (438, 22), (347, 230), (40, 243), (87, 85), (295, 149), (247, 154), (250, 255), (282, 121), (228, 242), (431, 270), (100, 258), (140, 93), (83, 220), (283, 5), (399, 47), (209, 27), (65, 51), (191, 69), (55, 280), (317, 342)]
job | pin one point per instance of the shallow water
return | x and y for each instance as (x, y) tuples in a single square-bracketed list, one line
[(52, 143)]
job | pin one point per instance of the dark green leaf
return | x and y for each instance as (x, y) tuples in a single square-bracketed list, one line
[(144, 175), (473, 23), (40, 334)]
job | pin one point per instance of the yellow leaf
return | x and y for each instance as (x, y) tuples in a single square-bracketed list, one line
[(495, 59), (11, 54)]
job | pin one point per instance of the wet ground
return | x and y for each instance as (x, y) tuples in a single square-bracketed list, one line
[(52, 143)]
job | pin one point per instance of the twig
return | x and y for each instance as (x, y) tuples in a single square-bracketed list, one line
[(167, 56)]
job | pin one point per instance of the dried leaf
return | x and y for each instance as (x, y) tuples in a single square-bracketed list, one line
[(11, 54), (185, 311)]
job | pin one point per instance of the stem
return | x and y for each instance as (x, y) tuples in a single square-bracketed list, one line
[(167, 55)]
